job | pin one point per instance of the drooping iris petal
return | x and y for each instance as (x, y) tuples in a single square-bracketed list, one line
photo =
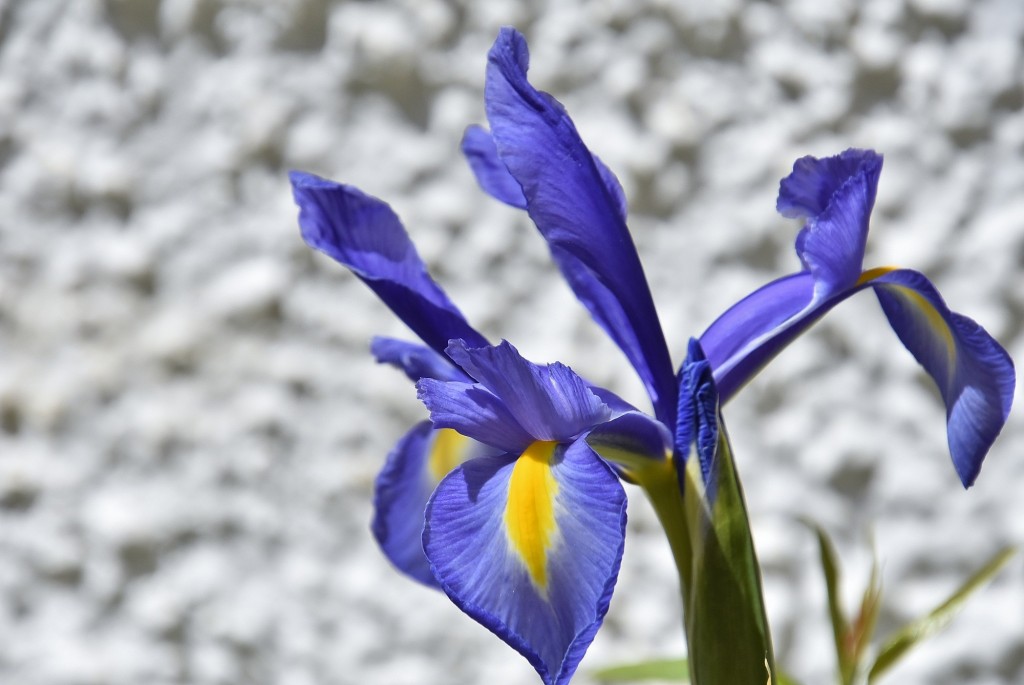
[(835, 195), (417, 361), (363, 233), (474, 411), (529, 545), (570, 203), (549, 401), (413, 469), (482, 154), (974, 374)]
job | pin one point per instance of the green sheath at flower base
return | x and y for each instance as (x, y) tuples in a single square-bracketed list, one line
[(700, 504)]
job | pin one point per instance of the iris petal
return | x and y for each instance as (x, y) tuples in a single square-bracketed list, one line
[(635, 445), (579, 509), (413, 469), (549, 401), (474, 411), (363, 233), (482, 154), (417, 361), (835, 195), (751, 332), (974, 374), (569, 200)]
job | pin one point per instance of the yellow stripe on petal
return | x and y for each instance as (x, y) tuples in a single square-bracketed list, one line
[(932, 318), (447, 451), (530, 510), (872, 274)]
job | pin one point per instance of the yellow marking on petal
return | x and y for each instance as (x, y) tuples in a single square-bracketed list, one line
[(872, 274), (530, 510), (933, 319), (446, 452)]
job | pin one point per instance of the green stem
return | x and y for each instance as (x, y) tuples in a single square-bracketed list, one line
[(666, 497)]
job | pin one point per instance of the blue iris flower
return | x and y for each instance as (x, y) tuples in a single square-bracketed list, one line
[(500, 499), (834, 196)]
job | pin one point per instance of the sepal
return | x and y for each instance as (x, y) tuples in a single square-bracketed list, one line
[(493, 573), (411, 471)]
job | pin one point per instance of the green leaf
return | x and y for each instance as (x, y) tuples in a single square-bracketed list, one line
[(672, 670), (840, 625), (908, 636), (658, 669), (726, 624)]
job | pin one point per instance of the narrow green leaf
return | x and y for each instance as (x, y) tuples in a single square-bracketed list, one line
[(908, 636), (671, 670), (840, 625), (674, 670)]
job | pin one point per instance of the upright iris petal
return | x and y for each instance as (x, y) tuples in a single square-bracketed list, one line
[(835, 196), (974, 374), (529, 542), (494, 178), (363, 234), (482, 154), (569, 199)]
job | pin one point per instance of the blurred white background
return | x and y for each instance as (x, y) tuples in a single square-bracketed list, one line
[(190, 421)]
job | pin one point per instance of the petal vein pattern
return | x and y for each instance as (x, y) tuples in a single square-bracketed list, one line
[(545, 590)]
